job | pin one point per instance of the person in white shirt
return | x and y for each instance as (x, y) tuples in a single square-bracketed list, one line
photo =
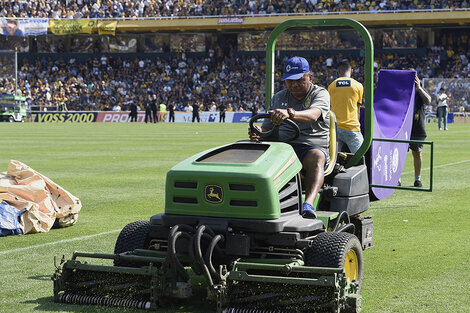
[(442, 108)]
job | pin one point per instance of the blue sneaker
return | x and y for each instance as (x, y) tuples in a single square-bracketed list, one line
[(308, 211)]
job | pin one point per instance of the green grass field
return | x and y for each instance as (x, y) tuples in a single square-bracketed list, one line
[(420, 261)]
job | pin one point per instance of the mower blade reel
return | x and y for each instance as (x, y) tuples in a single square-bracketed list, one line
[(83, 283), (301, 289)]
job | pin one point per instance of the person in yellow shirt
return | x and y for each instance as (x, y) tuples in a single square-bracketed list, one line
[(346, 98)]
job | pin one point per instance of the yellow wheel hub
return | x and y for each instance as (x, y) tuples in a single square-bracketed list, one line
[(351, 265)]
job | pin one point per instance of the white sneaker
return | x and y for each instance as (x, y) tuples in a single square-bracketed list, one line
[(440, 128), (445, 128)]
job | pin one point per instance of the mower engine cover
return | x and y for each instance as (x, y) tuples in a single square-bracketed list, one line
[(239, 180)]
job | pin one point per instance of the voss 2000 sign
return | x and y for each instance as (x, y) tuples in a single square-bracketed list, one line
[(64, 117)]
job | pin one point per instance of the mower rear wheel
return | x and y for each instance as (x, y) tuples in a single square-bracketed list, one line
[(338, 250), (133, 236)]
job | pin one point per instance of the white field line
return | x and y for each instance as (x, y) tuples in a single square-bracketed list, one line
[(438, 166), (60, 241)]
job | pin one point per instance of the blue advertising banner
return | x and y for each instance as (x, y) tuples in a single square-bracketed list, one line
[(241, 117), (432, 118), (26, 27)]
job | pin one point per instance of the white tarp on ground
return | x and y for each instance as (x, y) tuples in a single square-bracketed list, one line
[(44, 201)]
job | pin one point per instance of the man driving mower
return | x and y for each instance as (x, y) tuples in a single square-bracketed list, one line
[(308, 105)]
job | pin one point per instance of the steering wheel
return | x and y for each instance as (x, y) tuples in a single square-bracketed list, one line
[(273, 134)]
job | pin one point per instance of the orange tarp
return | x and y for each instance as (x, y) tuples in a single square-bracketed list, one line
[(44, 201)]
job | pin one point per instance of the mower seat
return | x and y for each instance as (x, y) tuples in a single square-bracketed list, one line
[(333, 145)]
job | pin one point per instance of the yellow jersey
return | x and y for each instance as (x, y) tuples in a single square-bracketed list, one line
[(345, 98)]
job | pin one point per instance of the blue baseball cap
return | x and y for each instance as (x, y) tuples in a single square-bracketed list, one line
[(295, 68)]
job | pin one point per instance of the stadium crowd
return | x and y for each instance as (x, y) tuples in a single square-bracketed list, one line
[(156, 8), (236, 81)]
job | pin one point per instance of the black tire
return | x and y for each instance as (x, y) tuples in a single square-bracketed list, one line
[(330, 249), (133, 236)]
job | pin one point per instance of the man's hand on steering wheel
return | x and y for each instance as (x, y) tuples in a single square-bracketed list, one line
[(278, 116), (254, 136)]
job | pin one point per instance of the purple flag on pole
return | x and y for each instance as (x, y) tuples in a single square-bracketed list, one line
[(393, 118)]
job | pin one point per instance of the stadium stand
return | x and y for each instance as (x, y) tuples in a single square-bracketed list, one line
[(236, 81), (182, 65), (156, 8)]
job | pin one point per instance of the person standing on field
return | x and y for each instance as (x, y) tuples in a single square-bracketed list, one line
[(154, 106), (196, 112), (346, 99), (133, 112), (442, 108), (171, 110), (418, 131), (148, 109), (222, 108)]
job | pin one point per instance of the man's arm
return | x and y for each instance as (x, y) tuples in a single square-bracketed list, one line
[(421, 92), (424, 96), (306, 116)]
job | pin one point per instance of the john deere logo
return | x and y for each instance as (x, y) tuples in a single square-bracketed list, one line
[(213, 194)]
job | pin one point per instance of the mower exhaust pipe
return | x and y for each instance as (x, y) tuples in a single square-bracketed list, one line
[(96, 300)]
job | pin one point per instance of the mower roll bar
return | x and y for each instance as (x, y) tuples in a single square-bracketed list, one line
[(368, 75)]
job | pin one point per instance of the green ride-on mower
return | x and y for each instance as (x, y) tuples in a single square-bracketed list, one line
[(232, 216)]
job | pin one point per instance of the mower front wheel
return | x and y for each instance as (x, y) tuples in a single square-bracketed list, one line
[(133, 236), (338, 250)]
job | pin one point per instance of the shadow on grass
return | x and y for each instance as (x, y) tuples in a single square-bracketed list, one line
[(47, 304), (41, 277)]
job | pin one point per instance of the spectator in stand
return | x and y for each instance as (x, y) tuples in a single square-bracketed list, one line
[(75, 9), (49, 80)]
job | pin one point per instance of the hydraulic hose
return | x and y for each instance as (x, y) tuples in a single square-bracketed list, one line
[(208, 256), (348, 228), (172, 253), (341, 216), (199, 259)]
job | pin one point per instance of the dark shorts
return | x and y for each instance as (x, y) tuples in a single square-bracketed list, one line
[(417, 147), (302, 149)]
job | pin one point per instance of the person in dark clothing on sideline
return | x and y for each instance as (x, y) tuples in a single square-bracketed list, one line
[(196, 112), (254, 110), (148, 109), (222, 108), (154, 106), (133, 113), (418, 131), (171, 110)]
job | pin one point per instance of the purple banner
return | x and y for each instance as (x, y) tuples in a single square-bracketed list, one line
[(393, 117)]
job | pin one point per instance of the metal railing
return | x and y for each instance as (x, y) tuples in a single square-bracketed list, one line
[(430, 143)]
